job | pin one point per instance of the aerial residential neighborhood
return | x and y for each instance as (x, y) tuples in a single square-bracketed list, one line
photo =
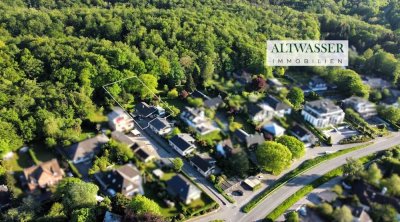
[(167, 111)]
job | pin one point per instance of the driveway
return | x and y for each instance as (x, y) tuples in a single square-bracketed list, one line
[(340, 133)]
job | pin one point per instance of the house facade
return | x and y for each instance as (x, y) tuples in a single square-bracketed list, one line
[(322, 113), (365, 108), (119, 120)]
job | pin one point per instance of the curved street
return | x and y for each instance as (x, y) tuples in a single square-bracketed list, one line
[(234, 213)]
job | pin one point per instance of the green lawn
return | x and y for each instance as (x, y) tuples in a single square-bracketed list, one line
[(212, 136), (97, 117), (177, 102), (300, 77), (165, 210), (18, 162), (167, 176)]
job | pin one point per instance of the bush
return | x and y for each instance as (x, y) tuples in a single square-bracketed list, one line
[(73, 168), (302, 168), (173, 94)]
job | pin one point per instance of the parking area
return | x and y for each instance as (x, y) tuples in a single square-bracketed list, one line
[(340, 133)]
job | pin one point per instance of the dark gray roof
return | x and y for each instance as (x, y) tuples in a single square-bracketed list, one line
[(159, 123), (142, 154), (204, 163), (275, 103), (317, 80), (198, 94), (253, 109), (122, 138), (122, 180), (214, 102), (86, 147), (181, 142), (145, 110), (299, 131), (181, 187), (323, 106), (5, 196)]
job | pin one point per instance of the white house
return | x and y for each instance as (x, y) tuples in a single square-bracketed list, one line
[(322, 113), (195, 118), (119, 120), (280, 108), (160, 126), (362, 106), (183, 143), (260, 112)]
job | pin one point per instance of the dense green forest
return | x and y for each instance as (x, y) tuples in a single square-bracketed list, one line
[(55, 55)]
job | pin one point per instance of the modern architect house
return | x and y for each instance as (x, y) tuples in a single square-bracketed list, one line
[(119, 120), (362, 106), (183, 144), (125, 180), (43, 175), (322, 113)]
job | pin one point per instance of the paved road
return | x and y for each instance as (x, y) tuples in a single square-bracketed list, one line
[(312, 198), (233, 212)]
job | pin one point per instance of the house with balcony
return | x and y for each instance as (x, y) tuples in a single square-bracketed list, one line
[(322, 113), (119, 120), (365, 108)]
